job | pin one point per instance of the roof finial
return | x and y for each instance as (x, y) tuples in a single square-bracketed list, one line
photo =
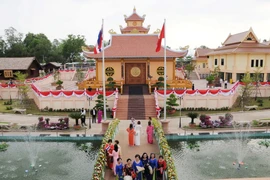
[(134, 9)]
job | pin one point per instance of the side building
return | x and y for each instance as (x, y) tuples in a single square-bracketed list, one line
[(27, 65), (241, 53)]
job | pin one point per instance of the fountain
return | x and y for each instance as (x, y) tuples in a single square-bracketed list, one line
[(41, 160), (236, 156)]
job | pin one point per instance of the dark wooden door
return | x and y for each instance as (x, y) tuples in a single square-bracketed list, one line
[(135, 73)]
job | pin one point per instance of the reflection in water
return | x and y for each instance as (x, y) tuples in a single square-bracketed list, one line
[(54, 161), (219, 159)]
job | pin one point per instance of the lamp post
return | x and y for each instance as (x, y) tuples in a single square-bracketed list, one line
[(180, 112), (89, 100)]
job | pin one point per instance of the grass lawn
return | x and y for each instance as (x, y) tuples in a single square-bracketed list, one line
[(266, 105), (31, 108)]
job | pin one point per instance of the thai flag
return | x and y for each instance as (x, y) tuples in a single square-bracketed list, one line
[(99, 42)]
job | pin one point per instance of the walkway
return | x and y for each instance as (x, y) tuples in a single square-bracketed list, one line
[(130, 152)]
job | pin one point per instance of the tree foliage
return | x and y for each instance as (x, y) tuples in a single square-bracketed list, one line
[(72, 47), (37, 45), (189, 68), (13, 44), (23, 89), (246, 90), (100, 103)]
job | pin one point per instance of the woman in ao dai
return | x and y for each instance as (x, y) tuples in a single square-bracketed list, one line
[(138, 130)]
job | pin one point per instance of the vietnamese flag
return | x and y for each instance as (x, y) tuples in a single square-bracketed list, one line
[(161, 36)]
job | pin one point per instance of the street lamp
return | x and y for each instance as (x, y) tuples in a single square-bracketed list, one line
[(180, 112), (89, 100)]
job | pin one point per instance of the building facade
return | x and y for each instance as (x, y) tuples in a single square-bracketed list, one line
[(131, 58), (241, 53), (200, 60)]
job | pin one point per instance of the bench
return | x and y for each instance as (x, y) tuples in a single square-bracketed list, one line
[(21, 111), (255, 107), (264, 122)]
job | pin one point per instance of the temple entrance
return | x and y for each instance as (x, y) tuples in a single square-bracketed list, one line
[(135, 73)]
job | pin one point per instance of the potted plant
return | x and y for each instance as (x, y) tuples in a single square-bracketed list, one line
[(76, 116), (171, 102), (59, 83), (192, 115), (111, 84), (100, 103), (210, 79)]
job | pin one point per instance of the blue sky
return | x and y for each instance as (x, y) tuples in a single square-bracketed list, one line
[(193, 22)]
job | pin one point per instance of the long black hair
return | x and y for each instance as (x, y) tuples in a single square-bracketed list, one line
[(130, 126), (144, 154), (115, 148)]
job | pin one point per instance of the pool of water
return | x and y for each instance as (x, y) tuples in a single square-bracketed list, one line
[(203, 160), (51, 161)]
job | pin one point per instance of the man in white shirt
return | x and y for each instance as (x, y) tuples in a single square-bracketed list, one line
[(83, 114)]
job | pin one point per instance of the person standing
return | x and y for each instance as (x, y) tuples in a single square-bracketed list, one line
[(128, 171), (138, 129), (119, 168), (119, 148), (94, 115), (99, 116), (83, 116), (145, 162), (153, 164), (115, 156), (150, 132), (137, 163), (131, 134), (133, 122), (109, 149), (161, 167)]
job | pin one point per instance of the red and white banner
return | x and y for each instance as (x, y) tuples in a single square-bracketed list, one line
[(77, 93)]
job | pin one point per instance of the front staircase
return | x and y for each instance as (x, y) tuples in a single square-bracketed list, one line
[(193, 76), (141, 107)]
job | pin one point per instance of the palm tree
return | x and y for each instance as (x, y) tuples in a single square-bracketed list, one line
[(76, 116), (192, 115)]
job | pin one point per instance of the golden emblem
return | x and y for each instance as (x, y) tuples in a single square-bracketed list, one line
[(160, 70), (135, 71), (109, 71)]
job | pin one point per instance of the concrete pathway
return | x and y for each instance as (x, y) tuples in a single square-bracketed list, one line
[(128, 151)]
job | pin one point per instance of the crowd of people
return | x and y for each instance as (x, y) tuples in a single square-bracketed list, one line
[(143, 167), (135, 130), (96, 114)]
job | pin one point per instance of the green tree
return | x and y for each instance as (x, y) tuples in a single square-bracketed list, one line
[(72, 47), (2, 47), (204, 47), (55, 54), (14, 44), (23, 89), (246, 90), (37, 45), (189, 68), (188, 59), (172, 102), (100, 103)]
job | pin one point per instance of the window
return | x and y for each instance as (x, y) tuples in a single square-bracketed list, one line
[(216, 62), (252, 62), (222, 62), (261, 63), (8, 73), (203, 65), (257, 63)]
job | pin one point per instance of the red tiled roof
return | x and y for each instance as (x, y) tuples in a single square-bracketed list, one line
[(202, 52), (134, 17), (236, 38), (134, 46), (242, 48), (130, 28)]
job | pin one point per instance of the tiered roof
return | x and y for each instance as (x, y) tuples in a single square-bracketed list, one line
[(244, 42), (130, 46), (201, 53)]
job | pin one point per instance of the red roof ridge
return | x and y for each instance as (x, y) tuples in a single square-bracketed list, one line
[(135, 16)]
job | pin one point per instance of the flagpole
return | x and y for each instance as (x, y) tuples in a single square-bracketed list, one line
[(103, 74), (165, 71)]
